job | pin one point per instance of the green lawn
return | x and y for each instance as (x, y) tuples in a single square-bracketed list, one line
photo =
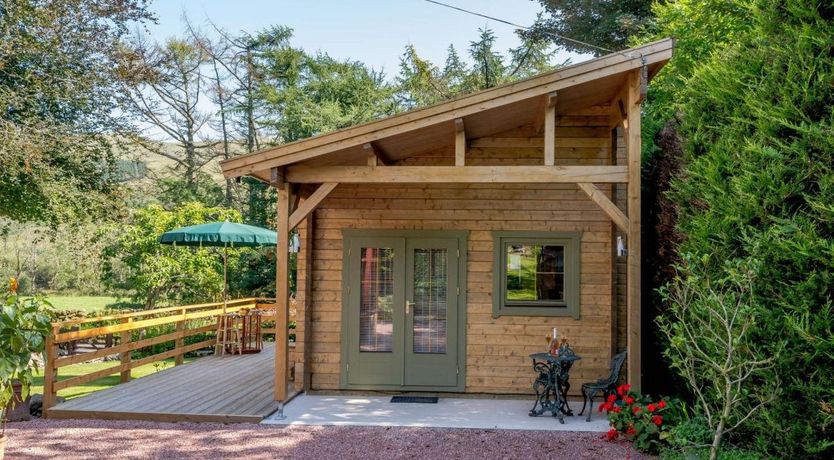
[(102, 383), (86, 303)]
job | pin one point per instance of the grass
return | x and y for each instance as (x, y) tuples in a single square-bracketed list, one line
[(87, 303), (102, 383)]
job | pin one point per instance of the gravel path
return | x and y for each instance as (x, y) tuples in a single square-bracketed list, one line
[(82, 439)]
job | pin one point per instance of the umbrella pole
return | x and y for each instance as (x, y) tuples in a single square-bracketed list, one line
[(225, 278)]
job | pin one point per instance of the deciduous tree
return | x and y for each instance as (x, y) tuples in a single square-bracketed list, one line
[(60, 98)]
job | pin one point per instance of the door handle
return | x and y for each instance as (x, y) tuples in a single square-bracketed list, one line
[(407, 307)]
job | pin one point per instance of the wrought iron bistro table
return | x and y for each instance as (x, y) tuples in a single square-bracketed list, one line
[(553, 382)]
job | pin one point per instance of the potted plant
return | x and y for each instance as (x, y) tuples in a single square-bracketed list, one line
[(24, 324)]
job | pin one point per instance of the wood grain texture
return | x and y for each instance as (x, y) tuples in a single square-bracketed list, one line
[(497, 349), (633, 154), (282, 292), (222, 389)]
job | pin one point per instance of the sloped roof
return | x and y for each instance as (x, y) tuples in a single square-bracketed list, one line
[(594, 82)]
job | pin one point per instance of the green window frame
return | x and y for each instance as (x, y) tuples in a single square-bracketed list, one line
[(568, 305)]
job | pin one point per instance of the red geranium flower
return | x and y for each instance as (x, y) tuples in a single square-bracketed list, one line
[(635, 409), (623, 389), (612, 434), (629, 400), (631, 431), (661, 404), (657, 420), (612, 398), (617, 409), (651, 407)]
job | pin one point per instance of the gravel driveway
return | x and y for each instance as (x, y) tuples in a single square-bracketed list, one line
[(72, 439)]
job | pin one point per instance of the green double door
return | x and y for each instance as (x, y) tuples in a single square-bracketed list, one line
[(401, 320)]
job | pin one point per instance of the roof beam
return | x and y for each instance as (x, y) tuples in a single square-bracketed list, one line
[(550, 130), (596, 195), (375, 155), (276, 176), (308, 205), (546, 101), (456, 174), (460, 142)]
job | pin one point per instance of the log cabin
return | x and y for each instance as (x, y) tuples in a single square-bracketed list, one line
[(441, 245)]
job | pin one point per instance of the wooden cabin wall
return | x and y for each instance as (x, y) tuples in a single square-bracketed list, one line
[(496, 348), (620, 263)]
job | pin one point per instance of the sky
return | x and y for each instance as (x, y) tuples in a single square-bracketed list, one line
[(372, 31)]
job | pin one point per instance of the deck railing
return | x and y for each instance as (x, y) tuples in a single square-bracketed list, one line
[(188, 320)]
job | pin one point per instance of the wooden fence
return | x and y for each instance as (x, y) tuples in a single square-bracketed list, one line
[(182, 317)]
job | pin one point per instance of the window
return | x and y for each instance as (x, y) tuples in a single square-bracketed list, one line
[(536, 274)]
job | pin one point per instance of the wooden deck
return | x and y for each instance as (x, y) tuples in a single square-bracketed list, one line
[(226, 389)]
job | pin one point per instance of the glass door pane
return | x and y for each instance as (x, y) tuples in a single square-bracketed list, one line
[(376, 301), (430, 300)]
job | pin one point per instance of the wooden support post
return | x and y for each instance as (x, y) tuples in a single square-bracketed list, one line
[(125, 355), (550, 131), (375, 156), (50, 372), (276, 176), (282, 293), (460, 142), (633, 150), (307, 250), (179, 342)]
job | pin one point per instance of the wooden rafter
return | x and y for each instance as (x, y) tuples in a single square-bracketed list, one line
[(375, 155), (460, 142), (546, 101), (596, 195), (456, 174), (307, 206)]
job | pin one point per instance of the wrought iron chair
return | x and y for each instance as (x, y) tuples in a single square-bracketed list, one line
[(606, 385)]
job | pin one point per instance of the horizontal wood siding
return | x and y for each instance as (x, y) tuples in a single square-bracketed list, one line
[(496, 349)]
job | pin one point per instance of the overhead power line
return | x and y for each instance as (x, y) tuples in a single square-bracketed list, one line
[(561, 37)]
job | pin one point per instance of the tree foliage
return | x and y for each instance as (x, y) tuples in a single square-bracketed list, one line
[(164, 84), (607, 24), (757, 189), (155, 273), (421, 83), (60, 95)]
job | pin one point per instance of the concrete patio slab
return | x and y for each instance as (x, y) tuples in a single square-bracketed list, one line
[(502, 414)]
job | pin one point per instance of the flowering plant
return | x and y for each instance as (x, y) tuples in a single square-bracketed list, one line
[(637, 418)]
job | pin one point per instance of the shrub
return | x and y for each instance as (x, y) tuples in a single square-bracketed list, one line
[(638, 418), (24, 325), (758, 190)]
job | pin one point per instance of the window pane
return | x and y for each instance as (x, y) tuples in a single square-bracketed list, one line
[(430, 283), (376, 323), (535, 272)]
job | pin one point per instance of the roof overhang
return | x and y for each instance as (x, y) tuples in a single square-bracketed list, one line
[(592, 83)]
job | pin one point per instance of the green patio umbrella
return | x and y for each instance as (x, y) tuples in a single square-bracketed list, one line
[(221, 234)]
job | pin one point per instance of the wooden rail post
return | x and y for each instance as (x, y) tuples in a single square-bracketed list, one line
[(50, 372), (125, 355), (179, 342)]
